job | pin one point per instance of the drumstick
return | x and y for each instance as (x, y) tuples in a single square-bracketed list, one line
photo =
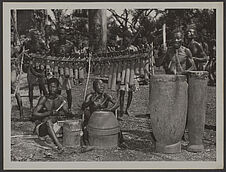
[(62, 104)]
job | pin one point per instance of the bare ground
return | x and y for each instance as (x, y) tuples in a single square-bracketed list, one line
[(136, 129)]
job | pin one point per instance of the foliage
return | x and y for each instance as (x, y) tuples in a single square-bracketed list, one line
[(139, 23)]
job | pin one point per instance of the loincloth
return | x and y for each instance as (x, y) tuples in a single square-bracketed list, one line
[(42, 129), (65, 83)]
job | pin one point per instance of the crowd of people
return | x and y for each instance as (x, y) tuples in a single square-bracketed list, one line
[(177, 58)]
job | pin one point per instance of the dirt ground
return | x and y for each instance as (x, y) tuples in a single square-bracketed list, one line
[(136, 130)]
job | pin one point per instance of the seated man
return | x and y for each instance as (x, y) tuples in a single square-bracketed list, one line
[(96, 101), (47, 112)]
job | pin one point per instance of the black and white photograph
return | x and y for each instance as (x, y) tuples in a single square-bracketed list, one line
[(113, 85)]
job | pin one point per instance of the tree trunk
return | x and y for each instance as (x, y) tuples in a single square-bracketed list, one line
[(97, 30)]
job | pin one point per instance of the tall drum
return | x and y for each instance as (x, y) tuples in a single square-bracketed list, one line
[(197, 96), (168, 110)]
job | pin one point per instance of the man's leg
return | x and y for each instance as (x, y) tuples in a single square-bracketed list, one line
[(30, 94), (129, 100), (69, 98), (52, 134), (42, 87), (19, 103), (121, 99)]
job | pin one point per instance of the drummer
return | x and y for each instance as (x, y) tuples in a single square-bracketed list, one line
[(98, 100), (176, 59)]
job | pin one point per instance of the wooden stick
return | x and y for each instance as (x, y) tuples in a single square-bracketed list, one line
[(164, 34)]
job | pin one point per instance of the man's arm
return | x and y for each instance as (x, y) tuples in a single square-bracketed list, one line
[(162, 56), (38, 107), (37, 74), (190, 60), (203, 57), (87, 102), (115, 104)]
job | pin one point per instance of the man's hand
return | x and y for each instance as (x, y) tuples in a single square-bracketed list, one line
[(93, 98), (54, 113), (163, 49)]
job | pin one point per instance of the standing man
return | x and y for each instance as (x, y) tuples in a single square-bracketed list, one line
[(63, 48), (196, 48), (126, 45), (176, 59)]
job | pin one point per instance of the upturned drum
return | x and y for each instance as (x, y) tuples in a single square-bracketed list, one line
[(168, 110), (72, 132), (103, 130)]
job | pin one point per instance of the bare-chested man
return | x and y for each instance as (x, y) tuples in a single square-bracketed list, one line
[(46, 115), (98, 100), (176, 59), (198, 54)]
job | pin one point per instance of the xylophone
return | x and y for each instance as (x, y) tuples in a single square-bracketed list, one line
[(116, 66)]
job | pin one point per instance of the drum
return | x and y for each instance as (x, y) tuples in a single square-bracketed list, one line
[(197, 97), (72, 132), (103, 130), (168, 111)]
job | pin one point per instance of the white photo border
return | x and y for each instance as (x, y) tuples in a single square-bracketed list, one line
[(9, 165)]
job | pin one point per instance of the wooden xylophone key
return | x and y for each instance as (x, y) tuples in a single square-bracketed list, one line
[(95, 71), (56, 69), (146, 69), (110, 75), (71, 70), (76, 73), (106, 69), (102, 70), (61, 69), (123, 75), (132, 73), (119, 72), (66, 70), (137, 67), (127, 77), (114, 76), (141, 67), (81, 72)]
